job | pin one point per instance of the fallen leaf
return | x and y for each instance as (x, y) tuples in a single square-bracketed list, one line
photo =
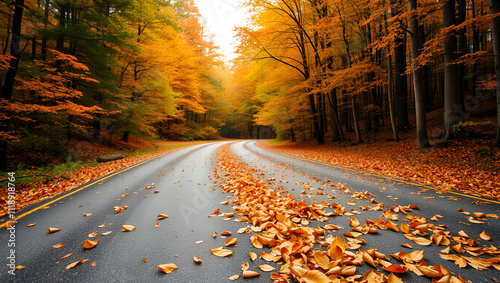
[(226, 233), (252, 255), (52, 230), (214, 234), (66, 256), (167, 268), (145, 259), (196, 259), (71, 265), (266, 267), (162, 216), (157, 224), (31, 225), (396, 268), (221, 252), (127, 228), (245, 266), (199, 242), (87, 214), (106, 233), (249, 273), (58, 245), (485, 236), (93, 264), (234, 277), (88, 244), (93, 234), (19, 267), (230, 242)]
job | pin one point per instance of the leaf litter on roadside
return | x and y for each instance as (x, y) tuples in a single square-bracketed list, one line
[(280, 223)]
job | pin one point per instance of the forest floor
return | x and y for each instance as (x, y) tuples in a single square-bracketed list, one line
[(43, 183), (470, 164)]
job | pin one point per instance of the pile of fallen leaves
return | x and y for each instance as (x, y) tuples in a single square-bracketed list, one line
[(36, 191), (308, 254), (443, 168)]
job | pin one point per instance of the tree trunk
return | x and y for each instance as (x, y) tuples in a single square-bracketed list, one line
[(389, 89), (336, 128), (451, 103), (495, 30), (400, 76), (10, 77), (359, 139), (422, 139), (316, 128)]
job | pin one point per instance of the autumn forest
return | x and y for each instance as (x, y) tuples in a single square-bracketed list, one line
[(307, 70)]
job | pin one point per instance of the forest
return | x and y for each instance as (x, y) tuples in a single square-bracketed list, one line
[(120, 70)]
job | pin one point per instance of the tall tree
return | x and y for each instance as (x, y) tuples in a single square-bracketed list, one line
[(422, 139), (8, 83), (495, 31), (452, 105)]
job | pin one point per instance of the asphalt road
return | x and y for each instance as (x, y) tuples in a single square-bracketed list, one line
[(186, 192)]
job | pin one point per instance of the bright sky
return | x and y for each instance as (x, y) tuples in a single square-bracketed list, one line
[(222, 16)]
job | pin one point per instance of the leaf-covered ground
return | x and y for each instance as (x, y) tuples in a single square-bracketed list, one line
[(281, 226), (463, 165)]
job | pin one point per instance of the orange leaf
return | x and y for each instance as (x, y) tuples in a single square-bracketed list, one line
[(226, 233), (485, 236), (52, 230), (266, 267), (252, 255), (157, 225), (31, 225), (249, 273), (230, 242), (71, 265), (214, 234), (58, 245), (167, 268), (19, 267), (128, 228), (90, 244), (66, 256), (221, 252), (396, 268), (196, 259), (93, 264), (145, 259), (162, 216), (234, 277), (315, 276)]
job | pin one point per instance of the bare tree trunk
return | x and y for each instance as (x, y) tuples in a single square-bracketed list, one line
[(422, 139), (10, 77), (334, 117), (495, 27), (389, 89), (359, 139), (451, 100), (401, 89)]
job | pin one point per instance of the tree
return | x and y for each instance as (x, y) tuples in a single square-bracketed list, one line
[(495, 31), (422, 139), (452, 105)]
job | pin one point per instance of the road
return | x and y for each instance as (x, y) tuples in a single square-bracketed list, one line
[(185, 190)]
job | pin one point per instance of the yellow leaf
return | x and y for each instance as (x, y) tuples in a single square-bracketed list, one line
[(234, 277), (394, 279)]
